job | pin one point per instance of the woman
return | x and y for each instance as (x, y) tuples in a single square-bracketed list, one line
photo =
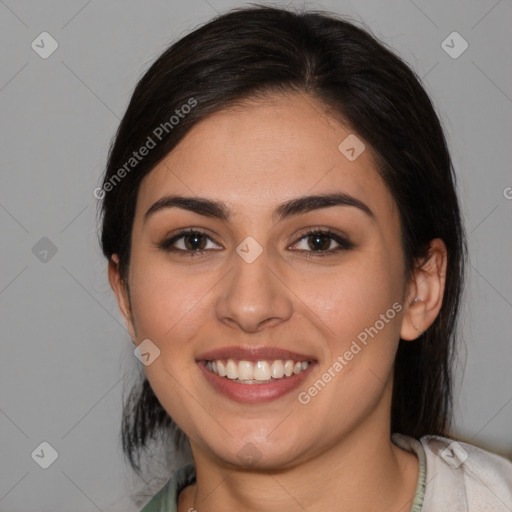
[(285, 245)]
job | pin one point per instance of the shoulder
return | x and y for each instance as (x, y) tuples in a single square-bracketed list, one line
[(458, 473)]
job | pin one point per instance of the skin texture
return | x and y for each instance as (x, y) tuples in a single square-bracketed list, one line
[(333, 453)]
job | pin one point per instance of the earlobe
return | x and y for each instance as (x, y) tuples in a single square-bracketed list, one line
[(426, 291), (120, 290)]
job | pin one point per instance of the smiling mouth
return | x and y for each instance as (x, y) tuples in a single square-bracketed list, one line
[(256, 372)]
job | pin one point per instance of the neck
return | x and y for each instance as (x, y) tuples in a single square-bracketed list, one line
[(360, 473)]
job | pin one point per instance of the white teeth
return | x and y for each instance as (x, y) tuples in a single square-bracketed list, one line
[(260, 371), (288, 368), (245, 370), (231, 370), (221, 369), (277, 369)]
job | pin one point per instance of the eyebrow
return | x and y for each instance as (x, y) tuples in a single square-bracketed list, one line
[(297, 206)]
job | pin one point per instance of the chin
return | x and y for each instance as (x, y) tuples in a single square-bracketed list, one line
[(256, 452)]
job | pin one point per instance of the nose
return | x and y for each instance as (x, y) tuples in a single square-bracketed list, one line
[(254, 296)]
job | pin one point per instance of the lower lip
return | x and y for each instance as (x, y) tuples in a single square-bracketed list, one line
[(254, 393)]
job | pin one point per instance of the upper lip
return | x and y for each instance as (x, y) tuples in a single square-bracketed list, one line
[(253, 354)]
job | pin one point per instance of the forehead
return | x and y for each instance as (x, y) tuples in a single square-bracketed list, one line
[(264, 152)]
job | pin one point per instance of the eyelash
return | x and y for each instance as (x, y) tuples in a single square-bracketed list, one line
[(344, 244)]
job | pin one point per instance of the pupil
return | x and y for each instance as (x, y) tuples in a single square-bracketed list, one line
[(321, 245), (195, 237)]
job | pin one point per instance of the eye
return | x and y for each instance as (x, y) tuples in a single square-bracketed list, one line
[(318, 243), (187, 241), (315, 243)]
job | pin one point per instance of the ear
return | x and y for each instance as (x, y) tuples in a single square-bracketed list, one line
[(122, 294), (425, 292)]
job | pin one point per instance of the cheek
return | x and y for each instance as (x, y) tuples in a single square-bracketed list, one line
[(361, 307), (355, 298), (360, 304), (168, 307), (167, 304)]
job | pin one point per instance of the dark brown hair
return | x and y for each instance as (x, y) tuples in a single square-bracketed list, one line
[(253, 52)]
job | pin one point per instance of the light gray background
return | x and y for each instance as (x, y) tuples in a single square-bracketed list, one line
[(65, 354)]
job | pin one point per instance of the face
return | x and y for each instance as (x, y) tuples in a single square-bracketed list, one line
[(317, 284)]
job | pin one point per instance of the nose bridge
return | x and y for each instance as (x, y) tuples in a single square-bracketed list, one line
[(252, 294)]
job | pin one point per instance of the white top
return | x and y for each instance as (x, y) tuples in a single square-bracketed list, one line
[(460, 477)]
